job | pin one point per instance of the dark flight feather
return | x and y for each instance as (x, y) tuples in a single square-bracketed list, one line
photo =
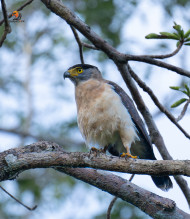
[(142, 148)]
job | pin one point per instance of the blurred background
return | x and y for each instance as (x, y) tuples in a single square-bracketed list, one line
[(36, 104)]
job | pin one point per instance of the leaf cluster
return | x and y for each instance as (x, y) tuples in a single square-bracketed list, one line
[(185, 90), (179, 35)]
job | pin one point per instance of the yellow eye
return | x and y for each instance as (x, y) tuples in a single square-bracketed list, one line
[(79, 70)]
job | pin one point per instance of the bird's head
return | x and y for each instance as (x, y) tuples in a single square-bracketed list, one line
[(82, 72)]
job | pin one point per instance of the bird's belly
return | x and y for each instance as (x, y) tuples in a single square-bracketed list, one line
[(102, 119)]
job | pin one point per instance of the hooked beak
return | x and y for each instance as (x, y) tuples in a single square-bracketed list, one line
[(66, 75)]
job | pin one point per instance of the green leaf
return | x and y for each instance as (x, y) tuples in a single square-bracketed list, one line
[(170, 35), (179, 102), (152, 36), (188, 89), (177, 27), (174, 88), (187, 44), (187, 34), (188, 39)]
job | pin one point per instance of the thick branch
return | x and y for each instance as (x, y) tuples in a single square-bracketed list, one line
[(45, 154), (152, 204), (61, 10)]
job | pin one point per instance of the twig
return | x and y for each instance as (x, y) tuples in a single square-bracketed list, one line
[(7, 26), (110, 207), (89, 46), (156, 101), (183, 111), (19, 9), (167, 55), (159, 63), (114, 200), (79, 43), (30, 209)]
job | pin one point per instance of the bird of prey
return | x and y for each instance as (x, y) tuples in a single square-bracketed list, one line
[(108, 118)]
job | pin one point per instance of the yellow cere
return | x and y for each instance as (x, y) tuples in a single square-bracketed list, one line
[(75, 71)]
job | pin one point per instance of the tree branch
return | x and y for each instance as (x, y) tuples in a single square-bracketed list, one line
[(182, 114), (62, 11), (167, 55), (156, 101), (45, 154), (79, 43), (150, 203)]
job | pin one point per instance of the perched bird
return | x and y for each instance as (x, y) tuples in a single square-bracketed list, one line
[(108, 118)]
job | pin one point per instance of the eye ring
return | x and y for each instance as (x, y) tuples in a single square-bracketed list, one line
[(80, 70)]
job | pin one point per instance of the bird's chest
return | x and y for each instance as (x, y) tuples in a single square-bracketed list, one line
[(100, 113)]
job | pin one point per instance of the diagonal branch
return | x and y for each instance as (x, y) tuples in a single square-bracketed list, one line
[(79, 43), (156, 101), (182, 114), (152, 204), (153, 130), (61, 10)]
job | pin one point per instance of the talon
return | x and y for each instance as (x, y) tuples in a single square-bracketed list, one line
[(93, 149), (128, 155)]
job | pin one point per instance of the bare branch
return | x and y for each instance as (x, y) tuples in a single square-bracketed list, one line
[(114, 200), (89, 46), (183, 111), (30, 209), (79, 43), (150, 203), (46, 154), (16, 160), (167, 55), (7, 26), (156, 101), (19, 9)]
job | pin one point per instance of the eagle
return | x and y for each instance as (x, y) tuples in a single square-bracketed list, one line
[(107, 118)]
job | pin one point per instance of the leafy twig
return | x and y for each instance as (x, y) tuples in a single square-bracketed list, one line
[(167, 55)]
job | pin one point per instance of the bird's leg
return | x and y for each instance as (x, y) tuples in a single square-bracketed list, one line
[(128, 154)]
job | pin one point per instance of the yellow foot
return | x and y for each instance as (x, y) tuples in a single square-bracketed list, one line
[(127, 155)]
